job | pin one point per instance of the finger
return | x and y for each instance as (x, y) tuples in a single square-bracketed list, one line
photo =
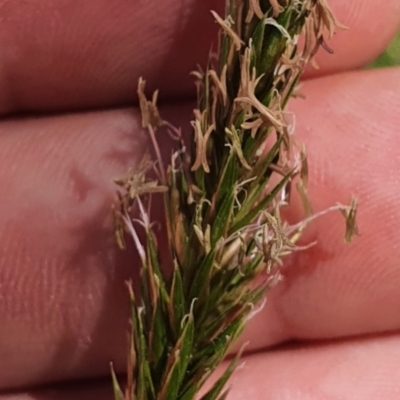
[(97, 390), (73, 54), (362, 369), (358, 369), (78, 55), (350, 126), (64, 304), (364, 39)]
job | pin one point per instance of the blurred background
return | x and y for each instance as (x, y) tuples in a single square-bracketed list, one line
[(391, 56)]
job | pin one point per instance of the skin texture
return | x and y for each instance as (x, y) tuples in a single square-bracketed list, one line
[(68, 73)]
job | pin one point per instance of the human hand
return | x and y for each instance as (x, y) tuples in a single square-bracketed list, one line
[(63, 303)]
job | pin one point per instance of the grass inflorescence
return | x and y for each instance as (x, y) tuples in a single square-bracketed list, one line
[(223, 190)]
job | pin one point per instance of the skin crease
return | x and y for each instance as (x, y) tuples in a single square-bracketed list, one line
[(63, 305)]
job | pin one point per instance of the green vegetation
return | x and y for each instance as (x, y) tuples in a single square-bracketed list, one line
[(391, 56)]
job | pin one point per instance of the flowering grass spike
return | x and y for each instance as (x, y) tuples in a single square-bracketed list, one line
[(223, 189)]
